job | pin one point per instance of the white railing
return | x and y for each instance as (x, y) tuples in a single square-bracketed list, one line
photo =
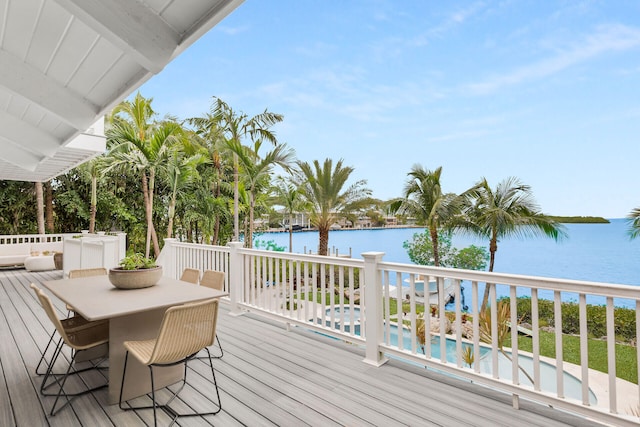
[(33, 238), (176, 256), (389, 308)]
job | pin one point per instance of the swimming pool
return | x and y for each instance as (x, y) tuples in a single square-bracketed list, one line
[(572, 385), (342, 315)]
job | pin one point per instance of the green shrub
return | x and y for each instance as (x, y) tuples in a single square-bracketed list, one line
[(625, 318)]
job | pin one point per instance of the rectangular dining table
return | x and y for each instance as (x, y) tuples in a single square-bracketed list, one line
[(134, 314)]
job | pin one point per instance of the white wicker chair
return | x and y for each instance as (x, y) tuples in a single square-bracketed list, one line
[(185, 330), (214, 279), (80, 335), (190, 275)]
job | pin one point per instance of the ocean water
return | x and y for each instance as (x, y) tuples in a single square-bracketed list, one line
[(591, 252)]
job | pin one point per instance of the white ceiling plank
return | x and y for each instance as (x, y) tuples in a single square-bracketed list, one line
[(131, 26), (18, 156), (29, 83), (24, 135)]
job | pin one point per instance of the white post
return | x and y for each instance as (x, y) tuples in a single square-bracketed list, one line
[(167, 259), (373, 308), (122, 244), (236, 277)]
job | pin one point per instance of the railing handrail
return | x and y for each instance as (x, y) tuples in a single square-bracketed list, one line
[(554, 284)]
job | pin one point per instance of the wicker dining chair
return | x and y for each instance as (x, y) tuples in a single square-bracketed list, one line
[(73, 274), (215, 280), (185, 330), (190, 275), (80, 335)]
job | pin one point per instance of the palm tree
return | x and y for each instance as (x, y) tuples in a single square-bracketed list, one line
[(212, 139), (288, 195), (509, 210), (633, 219), (236, 127), (323, 187), (181, 171), (143, 145), (424, 200), (93, 170), (257, 171)]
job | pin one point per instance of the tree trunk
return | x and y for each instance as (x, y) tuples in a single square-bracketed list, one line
[(172, 212), (236, 196), (290, 233), (323, 244), (154, 236), (40, 206), (48, 207), (147, 212), (434, 242), (94, 202), (493, 247), (249, 238)]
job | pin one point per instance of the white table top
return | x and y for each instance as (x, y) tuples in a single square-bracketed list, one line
[(95, 298)]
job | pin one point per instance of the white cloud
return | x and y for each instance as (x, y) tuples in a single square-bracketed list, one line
[(605, 39), (232, 31)]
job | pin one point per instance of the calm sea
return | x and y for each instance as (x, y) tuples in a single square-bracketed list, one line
[(592, 252)]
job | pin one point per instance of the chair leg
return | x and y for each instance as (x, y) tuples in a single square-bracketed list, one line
[(165, 407), (215, 382), (153, 397), (216, 356), (124, 374), (61, 383), (44, 355)]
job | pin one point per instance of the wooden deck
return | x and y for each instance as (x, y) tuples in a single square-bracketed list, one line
[(268, 376)]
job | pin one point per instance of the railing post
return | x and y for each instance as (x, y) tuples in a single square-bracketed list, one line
[(122, 244), (167, 258), (236, 277), (373, 308)]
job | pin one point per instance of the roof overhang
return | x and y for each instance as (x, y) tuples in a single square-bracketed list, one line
[(64, 64)]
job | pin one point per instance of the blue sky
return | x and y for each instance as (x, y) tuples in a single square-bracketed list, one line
[(547, 91)]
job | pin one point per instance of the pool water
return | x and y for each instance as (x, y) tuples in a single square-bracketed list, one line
[(572, 385)]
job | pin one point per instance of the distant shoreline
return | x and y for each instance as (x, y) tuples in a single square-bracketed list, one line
[(560, 219), (580, 219)]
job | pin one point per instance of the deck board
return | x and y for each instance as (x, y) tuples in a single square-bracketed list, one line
[(269, 376)]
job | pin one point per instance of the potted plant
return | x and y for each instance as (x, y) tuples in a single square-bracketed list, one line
[(135, 272)]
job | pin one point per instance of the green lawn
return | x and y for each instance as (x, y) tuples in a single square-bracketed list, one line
[(626, 361)]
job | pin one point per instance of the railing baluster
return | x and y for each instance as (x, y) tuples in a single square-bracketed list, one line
[(442, 316), (386, 306), (515, 374), (307, 292), (557, 307), (493, 310), (458, 310), (314, 292), (637, 344), (535, 325), (584, 348), (400, 312), (611, 356), (412, 318), (476, 326)]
